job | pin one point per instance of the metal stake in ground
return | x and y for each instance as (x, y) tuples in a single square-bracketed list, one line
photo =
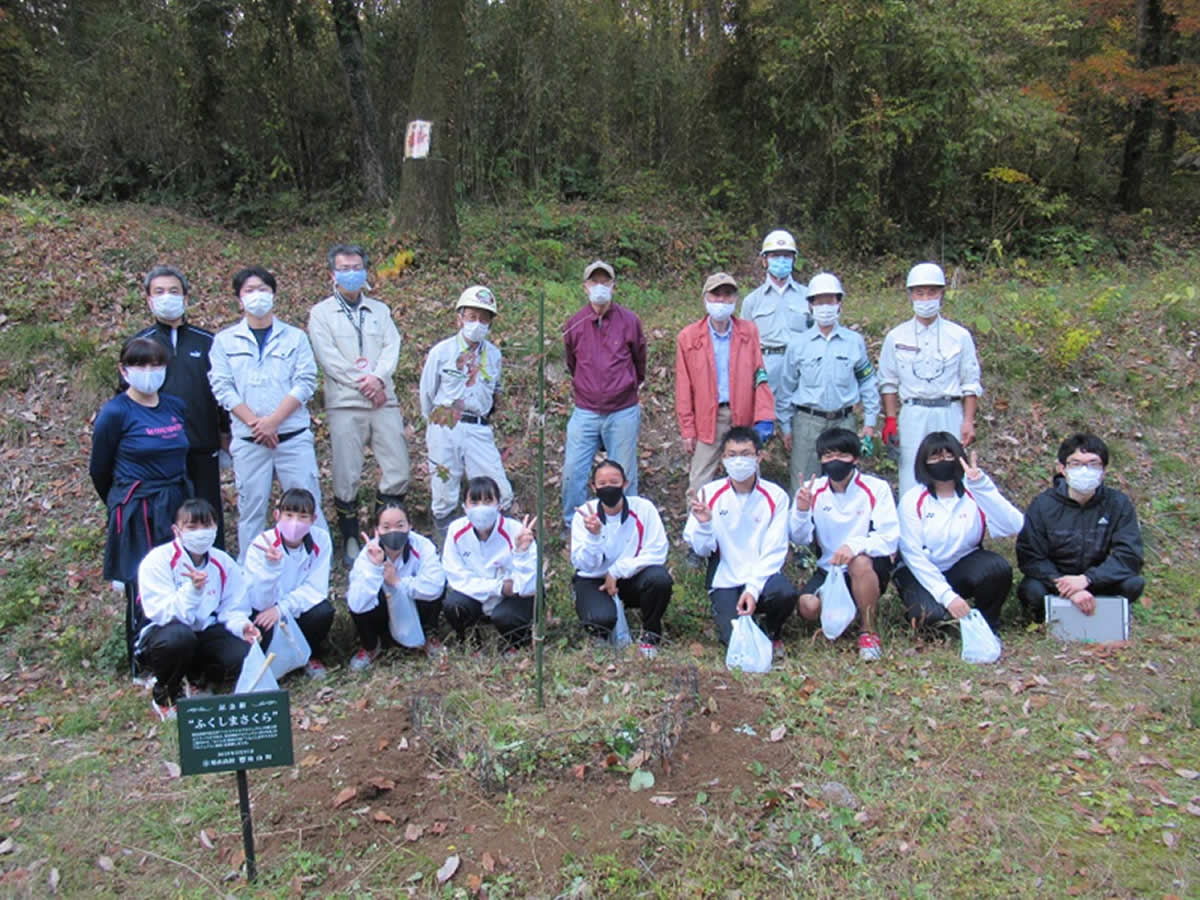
[(539, 601)]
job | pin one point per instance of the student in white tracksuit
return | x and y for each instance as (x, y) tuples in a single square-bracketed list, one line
[(943, 521), (491, 567), (193, 600), (928, 374), (264, 373), (287, 571), (396, 574), (850, 518), (458, 391), (619, 549), (741, 523)]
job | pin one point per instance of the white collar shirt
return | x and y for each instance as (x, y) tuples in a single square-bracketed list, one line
[(929, 361)]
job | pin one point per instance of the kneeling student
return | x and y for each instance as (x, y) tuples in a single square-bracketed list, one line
[(741, 522), (395, 565), (193, 600), (618, 548), (491, 567), (851, 517), (287, 571)]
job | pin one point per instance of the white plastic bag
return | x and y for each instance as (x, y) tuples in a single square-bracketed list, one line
[(620, 636), (979, 643), (749, 648), (253, 665), (289, 645), (837, 605), (403, 621)]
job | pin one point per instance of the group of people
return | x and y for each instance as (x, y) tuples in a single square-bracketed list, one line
[(786, 363)]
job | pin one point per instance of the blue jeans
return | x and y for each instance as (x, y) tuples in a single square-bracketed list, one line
[(587, 431)]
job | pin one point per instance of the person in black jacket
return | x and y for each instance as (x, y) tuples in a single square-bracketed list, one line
[(187, 346), (1081, 537)]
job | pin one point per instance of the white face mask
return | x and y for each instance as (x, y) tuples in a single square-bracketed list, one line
[(198, 540), (258, 303), (719, 312), (740, 468), (474, 332), (483, 517), (926, 309), (1084, 479), (826, 313), (600, 294), (167, 307), (147, 381)]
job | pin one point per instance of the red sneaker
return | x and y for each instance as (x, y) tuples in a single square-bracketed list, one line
[(869, 648)]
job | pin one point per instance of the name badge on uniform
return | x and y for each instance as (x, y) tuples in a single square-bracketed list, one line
[(362, 364), (900, 346)]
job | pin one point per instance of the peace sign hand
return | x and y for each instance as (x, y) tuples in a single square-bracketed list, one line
[(804, 494), (524, 539), (591, 521), (199, 576), (374, 552), (971, 472), (273, 553), (698, 508)]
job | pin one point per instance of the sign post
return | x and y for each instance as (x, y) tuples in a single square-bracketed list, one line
[(233, 733)]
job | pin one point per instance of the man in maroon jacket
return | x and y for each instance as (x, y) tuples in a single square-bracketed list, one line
[(606, 356)]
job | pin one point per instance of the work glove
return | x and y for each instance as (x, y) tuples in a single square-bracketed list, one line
[(765, 430), (891, 433)]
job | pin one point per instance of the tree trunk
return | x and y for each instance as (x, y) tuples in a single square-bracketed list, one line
[(350, 43), (426, 204), (1151, 33)]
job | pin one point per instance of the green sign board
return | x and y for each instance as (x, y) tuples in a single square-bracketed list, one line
[(235, 731)]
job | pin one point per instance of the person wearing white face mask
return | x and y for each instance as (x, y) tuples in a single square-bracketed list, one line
[(826, 373), (188, 349), (741, 524), (491, 567), (138, 466), (605, 351), (264, 373), (459, 389), (1081, 537), (197, 616), (777, 306), (928, 374), (720, 381), (357, 346)]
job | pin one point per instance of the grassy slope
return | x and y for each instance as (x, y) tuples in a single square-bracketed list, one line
[(1053, 772)]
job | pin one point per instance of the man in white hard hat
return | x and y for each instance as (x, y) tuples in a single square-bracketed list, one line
[(928, 373), (458, 391), (357, 345), (826, 373), (777, 307)]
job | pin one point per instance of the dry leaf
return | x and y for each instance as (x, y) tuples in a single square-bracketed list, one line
[(381, 745), (236, 859), (205, 840), (1170, 838), (173, 770), (6, 845), (382, 784), (362, 703), (714, 727), (488, 862), (438, 828), (778, 732), (105, 863), (413, 832), (344, 796), (449, 867), (609, 761), (311, 760), (660, 800), (380, 816), (1193, 809), (579, 771), (1098, 828), (474, 883), (638, 759), (1189, 774)]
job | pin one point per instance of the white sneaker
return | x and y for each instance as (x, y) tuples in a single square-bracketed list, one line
[(647, 650), (362, 660)]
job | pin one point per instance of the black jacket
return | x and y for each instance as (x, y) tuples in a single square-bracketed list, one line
[(187, 378), (1101, 540)]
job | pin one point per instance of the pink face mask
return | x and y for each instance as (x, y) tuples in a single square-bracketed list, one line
[(293, 530)]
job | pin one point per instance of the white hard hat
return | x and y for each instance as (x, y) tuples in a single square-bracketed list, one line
[(825, 283), (479, 297), (778, 240), (925, 274)]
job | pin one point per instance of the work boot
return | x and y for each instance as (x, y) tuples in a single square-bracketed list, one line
[(348, 525), (440, 527)]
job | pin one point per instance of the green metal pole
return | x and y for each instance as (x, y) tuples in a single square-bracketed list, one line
[(539, 608)]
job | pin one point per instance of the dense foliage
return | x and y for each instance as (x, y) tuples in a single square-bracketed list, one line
[(867, 124)]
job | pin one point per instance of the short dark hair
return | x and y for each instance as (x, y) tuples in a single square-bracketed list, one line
[(298, 500), (195, 511), (838, 440), (741, 434), (347, 250), (159, 272), (608, 464), (1086, 442), (935, 442), (249, 272), (482, 488), (391, 503), (143, 351)]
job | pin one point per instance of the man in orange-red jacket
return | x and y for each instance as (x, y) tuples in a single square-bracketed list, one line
[(720, 380)]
